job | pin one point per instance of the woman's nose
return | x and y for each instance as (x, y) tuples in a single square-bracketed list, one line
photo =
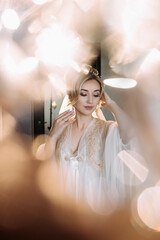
[(90, 99)]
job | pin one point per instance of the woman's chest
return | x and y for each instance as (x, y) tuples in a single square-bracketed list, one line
[(88, 148), (75, 139)]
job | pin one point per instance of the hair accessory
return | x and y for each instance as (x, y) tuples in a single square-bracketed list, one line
[(88, 69)]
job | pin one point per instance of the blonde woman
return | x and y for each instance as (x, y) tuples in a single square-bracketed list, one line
[(86, 148)]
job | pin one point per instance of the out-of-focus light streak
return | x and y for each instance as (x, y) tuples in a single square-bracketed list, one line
[(75, 66), (9, 64), (56, 46), (30, 13), (132, 16), (148, 78), (38, 148), (14, 63), (148, 206), (10, 19), (134, 165), (86, 5), (27, 65), (133, 26), (41, 2), (120, 82), (58, 83), (35, 27), (152, 57)]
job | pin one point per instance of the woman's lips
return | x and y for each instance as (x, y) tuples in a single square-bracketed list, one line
[(88, 107)]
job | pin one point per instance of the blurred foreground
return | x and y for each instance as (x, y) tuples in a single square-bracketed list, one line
[(42, 45)]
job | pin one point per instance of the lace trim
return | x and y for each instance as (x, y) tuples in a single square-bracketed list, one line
[(94, 148)]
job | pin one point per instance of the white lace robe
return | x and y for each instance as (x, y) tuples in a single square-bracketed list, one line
[(95, 173)]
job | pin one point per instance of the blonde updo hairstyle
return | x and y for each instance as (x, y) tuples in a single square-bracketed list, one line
[(87, 73)]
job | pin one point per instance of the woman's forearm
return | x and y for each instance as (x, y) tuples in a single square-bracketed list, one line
[(50, 148), (124, 122)]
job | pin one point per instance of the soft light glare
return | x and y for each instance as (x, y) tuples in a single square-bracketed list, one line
[(58, 83), (131, 18), (10, 19), (27, 65), (132, 161), (9, 64), (56, 46), (120, 82), (152, 58), (41, 2), (148, 206), (86, 5)]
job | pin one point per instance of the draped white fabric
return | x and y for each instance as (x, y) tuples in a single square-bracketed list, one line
[(95, 173)]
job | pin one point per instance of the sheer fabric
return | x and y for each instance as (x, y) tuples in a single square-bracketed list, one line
[(95, 174)]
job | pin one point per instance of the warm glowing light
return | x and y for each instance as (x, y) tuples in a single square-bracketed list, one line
[(75, 66), (133, 15), (120, 82), (58, 83), (56, 46), (152, 57), (35, 27), (85, 5), (132, 161), (148, 206), (27, 65), (9, 64), (10, 19), (54, 104), (38, 148), (41, 2)]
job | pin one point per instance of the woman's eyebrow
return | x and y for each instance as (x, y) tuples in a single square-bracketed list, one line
[(84, 90), (97, 90)]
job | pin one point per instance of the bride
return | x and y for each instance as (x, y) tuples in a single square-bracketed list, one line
[(86, 148)]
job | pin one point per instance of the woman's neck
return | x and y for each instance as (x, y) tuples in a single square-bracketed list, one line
[(82, 121)]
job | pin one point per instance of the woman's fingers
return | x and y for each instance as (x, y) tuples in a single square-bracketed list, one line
[(62, 119), (68, 116), (70, 121), (64, 114)]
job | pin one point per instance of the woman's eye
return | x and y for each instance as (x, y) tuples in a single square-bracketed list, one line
[(83, 94), (97, 95)]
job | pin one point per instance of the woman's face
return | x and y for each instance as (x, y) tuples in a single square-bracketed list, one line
[(88, 98)]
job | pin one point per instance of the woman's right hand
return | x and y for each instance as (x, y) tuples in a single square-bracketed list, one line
[(60, 122)]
